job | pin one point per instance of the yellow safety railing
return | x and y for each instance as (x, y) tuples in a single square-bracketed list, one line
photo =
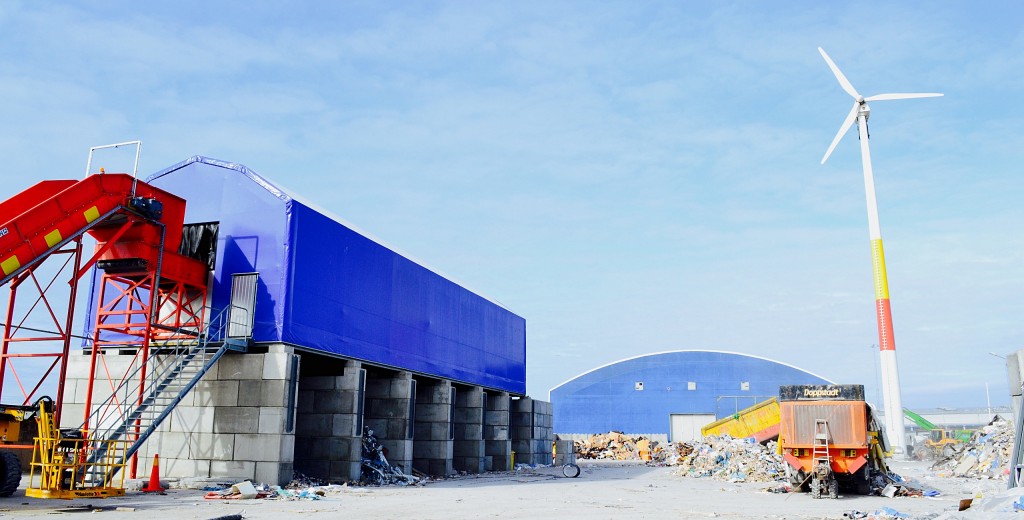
[(61, 466)]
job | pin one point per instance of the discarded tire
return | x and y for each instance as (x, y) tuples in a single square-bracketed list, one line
[(10, 472), (571, 470)]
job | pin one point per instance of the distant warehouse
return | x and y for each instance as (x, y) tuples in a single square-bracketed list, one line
[(669, 395)]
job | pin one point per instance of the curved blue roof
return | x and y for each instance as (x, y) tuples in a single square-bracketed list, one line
[(326, 286), (639, 394)]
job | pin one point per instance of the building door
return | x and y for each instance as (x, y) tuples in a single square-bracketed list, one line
[(686, 426)]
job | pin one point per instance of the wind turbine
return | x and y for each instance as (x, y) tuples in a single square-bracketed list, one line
[(886, 343)]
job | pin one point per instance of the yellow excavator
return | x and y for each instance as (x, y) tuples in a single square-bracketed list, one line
[(940, 443)]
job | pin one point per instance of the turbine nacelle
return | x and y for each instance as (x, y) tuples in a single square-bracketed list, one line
[(860, 103)]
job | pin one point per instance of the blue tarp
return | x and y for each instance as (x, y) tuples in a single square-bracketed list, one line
[(323, 286)]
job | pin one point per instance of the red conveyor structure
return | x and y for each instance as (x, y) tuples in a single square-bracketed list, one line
[(149, 294)]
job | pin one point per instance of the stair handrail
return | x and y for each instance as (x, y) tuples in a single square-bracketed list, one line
[(129, 384)]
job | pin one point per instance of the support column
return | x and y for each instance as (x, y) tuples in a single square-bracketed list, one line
[(468, 445), (389, 403), (531, 431), (328, 436), (433, 444), (497, 442)]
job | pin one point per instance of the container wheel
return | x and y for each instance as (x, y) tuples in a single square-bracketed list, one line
[(815, 488), (10, 473), (833, 488)]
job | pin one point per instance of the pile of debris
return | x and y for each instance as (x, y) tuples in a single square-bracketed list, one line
[(617, 446), (986, 455), (726, 458)]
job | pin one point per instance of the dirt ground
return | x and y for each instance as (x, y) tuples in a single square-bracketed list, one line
[(605, 489)]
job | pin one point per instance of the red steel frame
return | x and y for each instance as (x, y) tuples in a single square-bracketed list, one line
[(21, 342), (144, 319)]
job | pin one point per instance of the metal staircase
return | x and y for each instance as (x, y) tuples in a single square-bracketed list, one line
[(133, 411)]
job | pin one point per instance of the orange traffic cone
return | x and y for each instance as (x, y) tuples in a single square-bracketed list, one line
[(154, 478)]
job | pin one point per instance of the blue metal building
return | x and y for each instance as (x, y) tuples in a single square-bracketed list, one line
[(326, 288), (669, 393)]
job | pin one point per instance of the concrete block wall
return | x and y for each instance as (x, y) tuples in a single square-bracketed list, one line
[(468, 418), (433, 446), (234, 423), (530, 424), (497, 439), (329, 424), (390, 399)]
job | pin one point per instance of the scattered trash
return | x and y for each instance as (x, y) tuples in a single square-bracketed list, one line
[(782, 487), (617, 446), (376, 469), (887, 513), (241, 490), (729, 459), (985, 456)]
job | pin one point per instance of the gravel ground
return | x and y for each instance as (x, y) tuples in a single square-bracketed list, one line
[(605, 489)]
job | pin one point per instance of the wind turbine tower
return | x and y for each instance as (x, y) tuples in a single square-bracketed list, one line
[(860, 112)]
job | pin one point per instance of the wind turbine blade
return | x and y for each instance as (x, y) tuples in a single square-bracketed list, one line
[(842, 130), (886, 97), (843, 82)]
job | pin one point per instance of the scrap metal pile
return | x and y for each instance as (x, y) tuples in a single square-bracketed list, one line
[(986, 455)]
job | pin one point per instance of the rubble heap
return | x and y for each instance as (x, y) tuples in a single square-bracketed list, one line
[(726, 458), (617, 446), (986, 455)]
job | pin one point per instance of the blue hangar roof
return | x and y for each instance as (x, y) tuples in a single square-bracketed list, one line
[(638, 395), (324, 286)]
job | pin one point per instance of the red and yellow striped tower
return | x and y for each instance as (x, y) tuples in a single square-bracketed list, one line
[(893, 400)]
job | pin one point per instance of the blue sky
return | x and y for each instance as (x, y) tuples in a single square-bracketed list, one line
[(629, 177)]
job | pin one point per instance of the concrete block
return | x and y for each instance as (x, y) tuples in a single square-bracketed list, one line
[(171, 445), (432, 412), (240, 366), (497, 418), (178, 468), (191, 419), (401, 387), (334, 401), (469, 397), (249, 392), (468, 448), (72, 415), (399, 429), (272, 420), (244, 469), (265, 448), (344, 425), (274, 393), (469, 432), (344, 470), (522, 405), (432, 450), (318, 383), (316, 468), (216, 393), (306, 400), (236, 419), (399, 449), (277, 365), (315, 424), (377, 387), (279, 348), (274, 473), (521, 433), (496, 433), (212, 446), (387, 408), (469, 415)]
